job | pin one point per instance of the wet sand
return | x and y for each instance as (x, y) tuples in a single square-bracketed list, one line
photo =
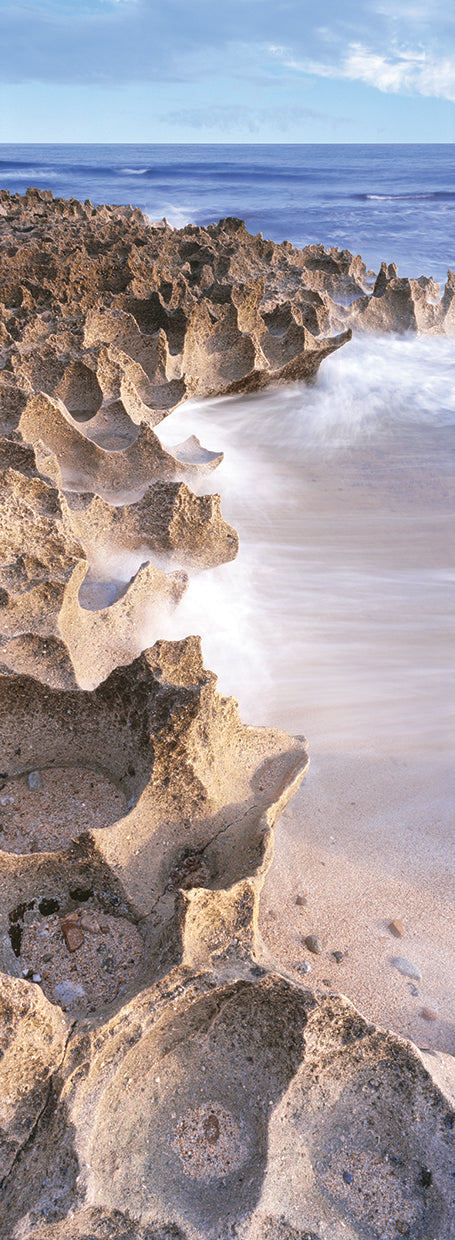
[(371, 834), (367, 841)]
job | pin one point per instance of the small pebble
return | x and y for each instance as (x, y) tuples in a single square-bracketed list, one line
[(88, 921), (396, 928), (36, 977), (428, 1014), (347, 1177), (72, 934), (34, 781), (301, 901), (338, 956), (304, 967), (407, 968), (68, 992), (313, 944), (426, 1177)]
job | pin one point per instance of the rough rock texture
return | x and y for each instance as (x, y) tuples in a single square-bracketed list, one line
[(111, 316), (39, 590), (403, 305), (161, 1077), (112, 458)]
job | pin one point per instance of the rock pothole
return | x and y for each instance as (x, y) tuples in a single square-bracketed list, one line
[(82, 960), (43, 810)]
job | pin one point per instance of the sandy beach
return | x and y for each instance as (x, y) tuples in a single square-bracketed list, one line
[(366, 842)]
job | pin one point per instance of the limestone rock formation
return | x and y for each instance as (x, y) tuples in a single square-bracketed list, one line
[(404, 305), (43, 627), (162, 1078), (168, 520), (111, 317), (114, 458)]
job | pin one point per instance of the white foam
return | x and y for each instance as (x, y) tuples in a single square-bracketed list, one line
[(336, 618), (176, 216)]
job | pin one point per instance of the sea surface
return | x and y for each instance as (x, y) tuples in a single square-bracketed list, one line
[(389, 202)]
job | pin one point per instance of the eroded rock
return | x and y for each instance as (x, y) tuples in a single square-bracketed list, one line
[(192, 1090)]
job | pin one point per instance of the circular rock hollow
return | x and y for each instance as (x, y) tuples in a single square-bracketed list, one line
[(82, 960), (80, 391), (43, 810), (185, 1118), (100, 738)]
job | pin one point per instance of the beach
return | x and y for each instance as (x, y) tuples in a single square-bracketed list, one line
[(367, 842), (336, 622)]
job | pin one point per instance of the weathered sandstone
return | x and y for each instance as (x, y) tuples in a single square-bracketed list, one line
[(162, 1077)]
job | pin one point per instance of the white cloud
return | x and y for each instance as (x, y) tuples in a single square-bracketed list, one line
[(403, 70)]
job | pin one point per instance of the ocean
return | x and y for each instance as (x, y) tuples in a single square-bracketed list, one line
[(386, 202), (337, 618)]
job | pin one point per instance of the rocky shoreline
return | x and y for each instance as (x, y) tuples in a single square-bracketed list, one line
[(161, 1075)]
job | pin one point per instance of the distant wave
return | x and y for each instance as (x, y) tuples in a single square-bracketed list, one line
[(441, 193), (207, 171), (34, 174)]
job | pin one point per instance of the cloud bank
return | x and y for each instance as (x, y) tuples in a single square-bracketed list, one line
[(111, 70), (394, 47)]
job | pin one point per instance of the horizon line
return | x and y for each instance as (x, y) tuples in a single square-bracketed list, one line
[(139, 142)]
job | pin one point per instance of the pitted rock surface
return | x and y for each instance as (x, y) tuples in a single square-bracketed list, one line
[(161, 1077)]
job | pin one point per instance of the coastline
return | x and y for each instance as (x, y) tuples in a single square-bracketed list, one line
[(202, 1090), (340, 612)]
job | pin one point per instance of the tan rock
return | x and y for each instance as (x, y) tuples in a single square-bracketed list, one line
[(196, 1091)]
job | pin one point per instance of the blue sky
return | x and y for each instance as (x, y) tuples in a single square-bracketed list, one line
[(239, 71)]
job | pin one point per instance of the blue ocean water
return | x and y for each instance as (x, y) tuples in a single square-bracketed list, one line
[(393, 202)]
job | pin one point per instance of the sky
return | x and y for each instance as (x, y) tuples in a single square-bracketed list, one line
[(232, 71)]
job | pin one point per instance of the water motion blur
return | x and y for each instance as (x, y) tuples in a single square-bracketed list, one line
[(336, 616)]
